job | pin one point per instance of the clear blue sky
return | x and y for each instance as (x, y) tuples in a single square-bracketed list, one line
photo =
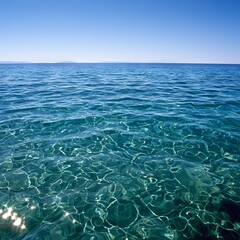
[(205, 31)]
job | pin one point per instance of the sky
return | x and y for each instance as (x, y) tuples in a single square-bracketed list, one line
[(179, 31)]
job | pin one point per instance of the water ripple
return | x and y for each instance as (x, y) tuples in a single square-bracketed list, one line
[(119, 151)]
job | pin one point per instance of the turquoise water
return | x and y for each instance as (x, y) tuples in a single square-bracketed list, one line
[(119, 151)]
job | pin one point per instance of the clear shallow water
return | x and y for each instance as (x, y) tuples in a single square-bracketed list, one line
[(119, 151)]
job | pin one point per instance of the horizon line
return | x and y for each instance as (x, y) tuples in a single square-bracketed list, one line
[(112, 62)]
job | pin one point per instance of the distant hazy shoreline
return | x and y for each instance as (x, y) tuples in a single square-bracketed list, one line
[(105, 62)]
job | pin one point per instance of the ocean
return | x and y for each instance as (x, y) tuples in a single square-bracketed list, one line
[(119, 151)]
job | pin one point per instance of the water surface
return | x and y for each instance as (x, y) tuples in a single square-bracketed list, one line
[(119, 151)]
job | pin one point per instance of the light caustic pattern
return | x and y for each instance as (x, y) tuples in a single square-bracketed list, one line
[(119, 151)]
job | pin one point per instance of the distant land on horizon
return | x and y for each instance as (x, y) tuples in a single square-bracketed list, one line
[(9, 62), (113, 62)]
